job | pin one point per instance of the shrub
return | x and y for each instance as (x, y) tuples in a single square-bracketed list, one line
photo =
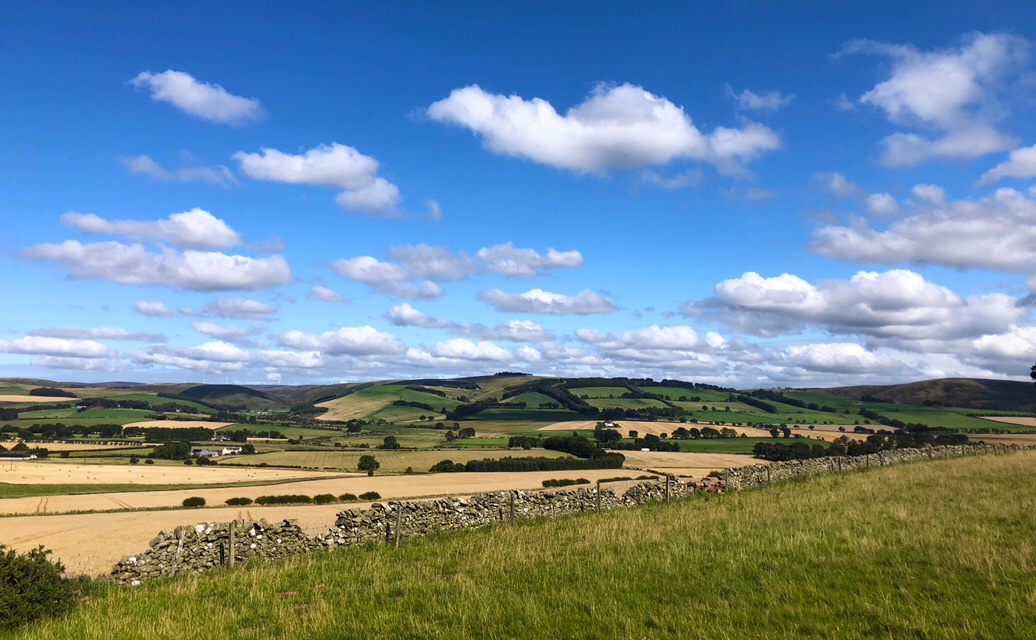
[(202, 461), (194, 501), (370, 495), (149, 461), (446, 466), (288, 499), (31, 587), (188, 462), (134, 460), (324, 498), (564, 482), (64, 454), (239, 502), (348, 497)]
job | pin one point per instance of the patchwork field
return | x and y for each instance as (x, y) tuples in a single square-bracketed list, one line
[(178, 424)]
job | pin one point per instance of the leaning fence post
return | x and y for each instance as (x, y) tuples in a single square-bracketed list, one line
[(399, 523), (512, 508), (598, 497), (232, 527)]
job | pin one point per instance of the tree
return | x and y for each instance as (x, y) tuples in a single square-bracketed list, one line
[(390, 442), (368, 463), (1032, 373)]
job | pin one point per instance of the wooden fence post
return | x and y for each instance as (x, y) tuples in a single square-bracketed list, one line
[(598, 497), (667, 480), (233, 525), (512, 508), (399, 523)]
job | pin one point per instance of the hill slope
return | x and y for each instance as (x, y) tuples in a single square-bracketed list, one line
[(993, 395)]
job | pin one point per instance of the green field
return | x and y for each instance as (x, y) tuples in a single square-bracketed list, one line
[(599, 392), (625, 403), (722, 445), (931, 550)]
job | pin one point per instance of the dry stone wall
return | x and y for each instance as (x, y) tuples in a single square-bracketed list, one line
[(206, 546), (762, 474)]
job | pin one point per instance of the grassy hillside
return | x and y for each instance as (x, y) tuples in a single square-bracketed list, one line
[(932, 550), (232, 396), (996, 395)]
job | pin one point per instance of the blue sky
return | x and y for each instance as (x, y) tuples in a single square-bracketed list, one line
[(794, 194)]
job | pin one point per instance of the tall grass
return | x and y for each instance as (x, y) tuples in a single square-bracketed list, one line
[(942, 549)]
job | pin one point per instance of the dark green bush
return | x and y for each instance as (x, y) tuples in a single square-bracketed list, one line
[(149, 461), (324, 498), (195, 501), (348, 497), (239, 502), (31, 587), (564, 482), (288, 499), (370, 495)]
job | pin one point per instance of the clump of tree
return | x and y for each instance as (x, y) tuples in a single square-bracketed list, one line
[(509, 464), (369, 464), (172, 451), (50, 392), (389, 443), (843, 446), (524, 442)]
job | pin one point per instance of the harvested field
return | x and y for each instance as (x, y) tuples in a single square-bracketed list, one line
[(354, 406), (38, 399), (1024, 422), (178, 424), (30, 472), (391, 461), (84, 542), (1004, 438), (686, 464), (390, 487)]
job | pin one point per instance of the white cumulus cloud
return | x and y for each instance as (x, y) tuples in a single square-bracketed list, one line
[(616, 127), (540, 301), (336, 166), (219, 175), (152, 309), (464, 349), (194, 229), (352, 341), (206, 101)]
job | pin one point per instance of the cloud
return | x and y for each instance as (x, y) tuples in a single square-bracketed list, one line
[(216, 356), (97, 333), (219, 175), (768, 101), (512, 262), (841, 187), (463, 349), (1020, 164), (952, 91), (78, 364), (404, 315), (240, 309), (434, 210), (192, 270), (882, 204), (895, 307), (675, 338), (838, 357), (194, 229), (417, 268), (616, 127), (433, 263), (228, 332), (997, 232), (59, 347), (152, 309), (336, 166), (323, 294), (540, 301), (352, 341), (206, 101), (690, 178)]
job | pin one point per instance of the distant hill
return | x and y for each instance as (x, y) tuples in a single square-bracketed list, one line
[(231, 397), (967, 393)]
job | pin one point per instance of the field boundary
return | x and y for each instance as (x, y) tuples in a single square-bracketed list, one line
[(208, 546)]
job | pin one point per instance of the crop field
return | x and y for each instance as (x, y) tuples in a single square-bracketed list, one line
[(598, 392), (391, 461), (26, 398), (57, 472), (1014, 420), (625, 403), (83, 543)]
